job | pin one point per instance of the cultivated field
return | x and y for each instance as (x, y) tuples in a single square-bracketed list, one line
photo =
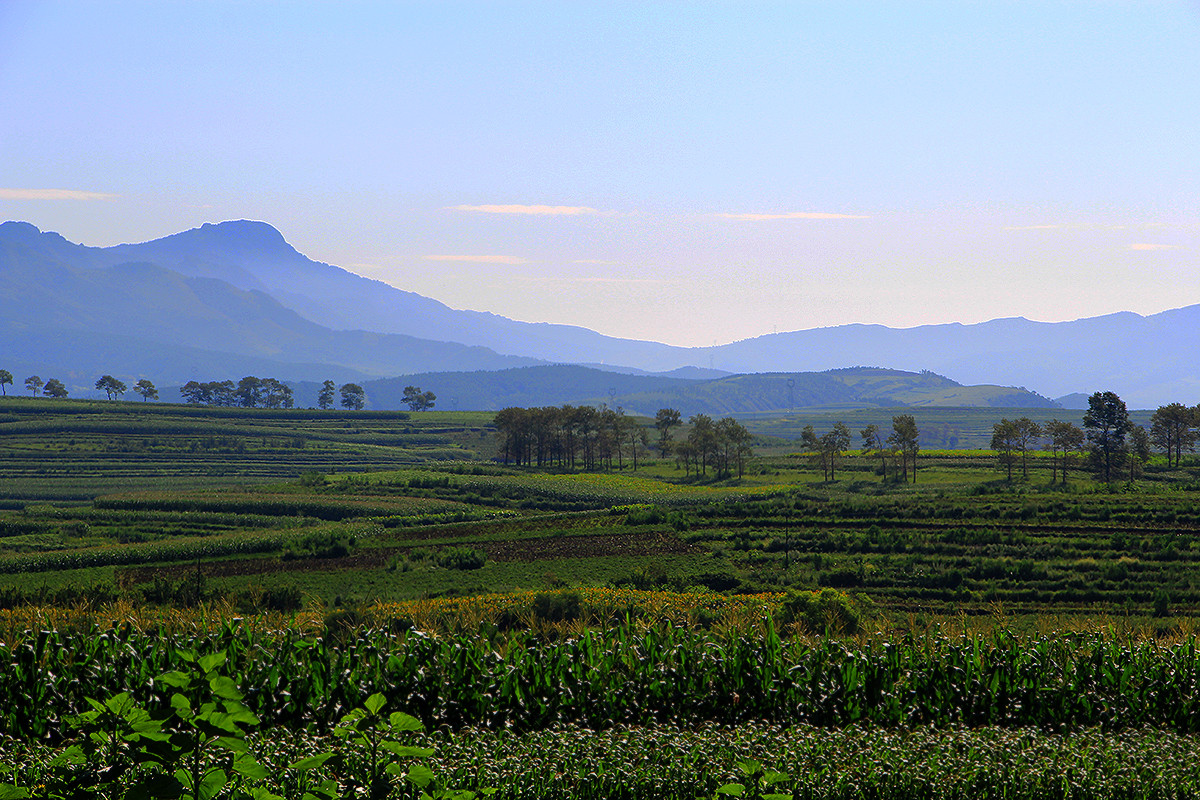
[(624, 633)]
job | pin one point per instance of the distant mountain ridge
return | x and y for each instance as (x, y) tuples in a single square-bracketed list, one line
[(238, 290), (860, 387)]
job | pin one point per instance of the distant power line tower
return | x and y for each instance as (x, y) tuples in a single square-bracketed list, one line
[(791, 384)]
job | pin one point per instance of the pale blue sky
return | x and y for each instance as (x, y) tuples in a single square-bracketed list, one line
[(685, 172)]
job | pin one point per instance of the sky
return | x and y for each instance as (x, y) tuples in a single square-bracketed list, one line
[(691, 173)]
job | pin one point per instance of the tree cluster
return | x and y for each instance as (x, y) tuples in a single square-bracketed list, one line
[(51, 388), (569, 437), (902, 446), (721, 445), (416, 400), (249, 392)]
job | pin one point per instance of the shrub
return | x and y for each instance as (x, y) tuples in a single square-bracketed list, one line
[(461, 558), (828, 611), (557, 606)]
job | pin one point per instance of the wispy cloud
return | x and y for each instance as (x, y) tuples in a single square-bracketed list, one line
[(1148, 246), (53, 194), (568, 211), (621, 281), (479, 259), (754, 217)]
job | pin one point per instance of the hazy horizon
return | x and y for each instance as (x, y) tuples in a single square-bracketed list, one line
[(668, 172)]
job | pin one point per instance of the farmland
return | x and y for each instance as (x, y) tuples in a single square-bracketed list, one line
[(649, 633)]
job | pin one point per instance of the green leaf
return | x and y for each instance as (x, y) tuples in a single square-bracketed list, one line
[(375, 703), (72, 756), (406, 751), (419, 775), (250, 769), (211, 661), (225, 687), (156, 786), (181, 705), (176, 680), (732, 789), (120, 704), (405, 723), (771, 777), (10, 791), (232, 743), (260, 793), (211, 785), (749, 767), (778, 797), (312, 762)]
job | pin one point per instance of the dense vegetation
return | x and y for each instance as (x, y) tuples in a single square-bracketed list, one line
[(662, 632)]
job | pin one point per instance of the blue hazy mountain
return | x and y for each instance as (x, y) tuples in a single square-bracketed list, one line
[(239, 288)]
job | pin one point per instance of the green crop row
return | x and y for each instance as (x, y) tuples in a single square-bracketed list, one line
[(670, 763), (626, 676)]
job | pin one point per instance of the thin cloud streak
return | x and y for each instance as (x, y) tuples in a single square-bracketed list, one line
[(53, 194), (479, 259), (1148, 246), (753, 217), (566, 211)]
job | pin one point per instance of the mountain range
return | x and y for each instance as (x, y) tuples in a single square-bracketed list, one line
[(234, 298)]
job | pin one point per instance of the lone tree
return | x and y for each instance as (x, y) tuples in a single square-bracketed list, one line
[(416, 400), (145, 387), (5, 378), (353, 396), (1107, 422), (664, 420), (111, 386), (34, 384), (54, 388), (326, 395)]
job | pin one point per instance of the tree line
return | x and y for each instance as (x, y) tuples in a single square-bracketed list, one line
[(900, 446), (589, 438), (1114, 446)]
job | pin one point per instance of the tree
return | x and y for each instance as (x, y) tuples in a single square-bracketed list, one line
[(1028, 433), (249, 391), (827, 447), (111, 386), (145, 387), (325, 396), (54, 388), (664, 420), (1065, 440), (34, 384), (835, 442), (1004, 443), (416, 400), (703, 437), (732, 445), (905, 438), (6, 377), (1107, 422), (353, 397), (275, 393), (872, 443), (1171, 429), (1139, 451)]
